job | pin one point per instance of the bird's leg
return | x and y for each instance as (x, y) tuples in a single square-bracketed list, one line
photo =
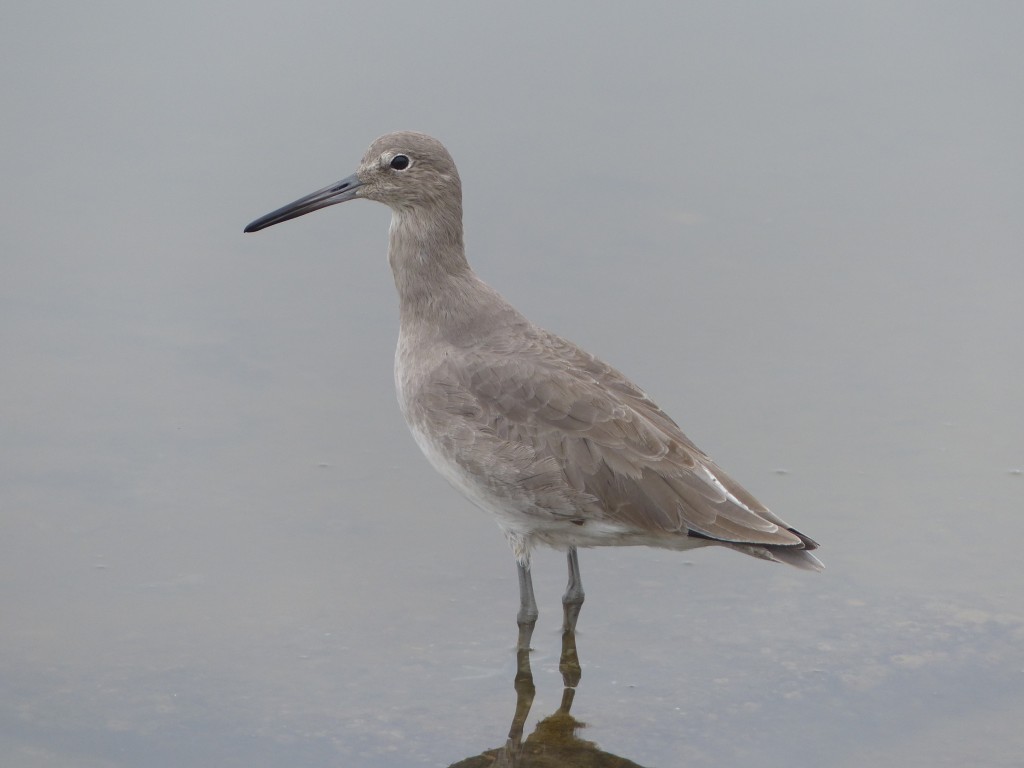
[(527, 616), (572, 600)]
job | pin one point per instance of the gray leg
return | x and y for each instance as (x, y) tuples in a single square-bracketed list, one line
[(572, 600), (527, 617)]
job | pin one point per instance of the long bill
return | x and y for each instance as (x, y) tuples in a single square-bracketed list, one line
[(344, 190)]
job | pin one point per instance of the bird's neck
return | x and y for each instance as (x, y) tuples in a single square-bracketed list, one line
[(428, 261)]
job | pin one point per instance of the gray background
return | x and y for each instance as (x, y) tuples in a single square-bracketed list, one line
[(796, 224)]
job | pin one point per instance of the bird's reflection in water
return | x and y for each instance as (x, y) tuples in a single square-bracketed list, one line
[(554, 742)]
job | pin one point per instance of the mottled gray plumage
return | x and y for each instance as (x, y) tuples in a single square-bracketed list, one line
[(562, 448)]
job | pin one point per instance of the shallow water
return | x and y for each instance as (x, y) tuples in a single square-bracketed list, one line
[(797, 230)]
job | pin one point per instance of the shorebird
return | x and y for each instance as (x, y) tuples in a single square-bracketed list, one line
[(560, 447)]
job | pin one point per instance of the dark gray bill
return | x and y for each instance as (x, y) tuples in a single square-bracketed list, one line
[(336, 193)]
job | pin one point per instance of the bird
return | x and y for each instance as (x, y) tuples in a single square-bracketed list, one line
[(560, 447)]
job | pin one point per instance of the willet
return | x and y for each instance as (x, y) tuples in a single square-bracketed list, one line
[(559, 446)]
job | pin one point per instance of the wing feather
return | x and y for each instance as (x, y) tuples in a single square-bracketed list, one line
[(580, 439)]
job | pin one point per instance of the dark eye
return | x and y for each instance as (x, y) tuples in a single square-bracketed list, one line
[(399, 162)]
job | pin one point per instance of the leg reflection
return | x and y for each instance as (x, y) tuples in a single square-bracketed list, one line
[(555, 739), (560, 724), (525, 691)]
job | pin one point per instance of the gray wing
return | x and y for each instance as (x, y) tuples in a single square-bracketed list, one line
[(582, 441)]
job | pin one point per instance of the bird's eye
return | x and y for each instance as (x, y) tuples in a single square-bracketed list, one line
[(400, 162)]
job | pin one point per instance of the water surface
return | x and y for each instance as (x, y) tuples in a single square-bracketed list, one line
[(797, 228)]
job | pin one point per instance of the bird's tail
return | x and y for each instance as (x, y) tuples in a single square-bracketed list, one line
[(798, 558), (797, 555)]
